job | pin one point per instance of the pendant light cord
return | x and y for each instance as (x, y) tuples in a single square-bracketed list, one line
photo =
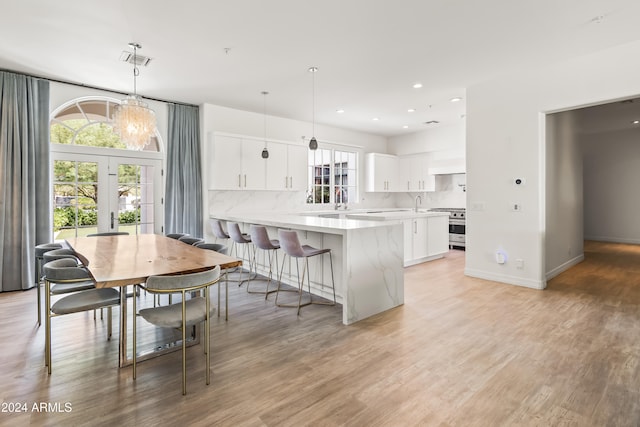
[(265, 93)]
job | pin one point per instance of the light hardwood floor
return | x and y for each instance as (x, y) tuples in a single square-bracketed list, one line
[(460, 352)]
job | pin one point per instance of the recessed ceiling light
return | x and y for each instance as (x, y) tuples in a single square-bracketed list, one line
[(417, 85), (340, 111), (375, 119), (405, 127), (635, 122), (456, 99), (411, 110)]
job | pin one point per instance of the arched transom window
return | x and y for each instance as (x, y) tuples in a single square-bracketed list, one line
[(88, 123)]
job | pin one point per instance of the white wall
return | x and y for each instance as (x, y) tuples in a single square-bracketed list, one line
[(442, 138), (506, 139), (564, 194), (611, 178)]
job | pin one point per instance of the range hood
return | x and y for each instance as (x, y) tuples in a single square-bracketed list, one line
[(447, 166)]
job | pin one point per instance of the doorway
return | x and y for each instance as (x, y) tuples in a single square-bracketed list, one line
[(105, 193)]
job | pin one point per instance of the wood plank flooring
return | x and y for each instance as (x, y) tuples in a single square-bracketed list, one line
[(460, 352)]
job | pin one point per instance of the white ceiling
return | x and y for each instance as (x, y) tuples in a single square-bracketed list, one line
[(369, 52)]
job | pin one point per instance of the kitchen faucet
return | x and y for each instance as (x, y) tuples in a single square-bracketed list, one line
[(418, 198)]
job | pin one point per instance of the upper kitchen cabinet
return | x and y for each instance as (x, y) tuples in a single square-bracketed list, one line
[(413, 173), (381, 172), (286, 167), (447, 162), (236, 164)]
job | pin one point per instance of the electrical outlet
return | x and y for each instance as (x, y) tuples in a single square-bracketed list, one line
[(520, 263), (516, 207)]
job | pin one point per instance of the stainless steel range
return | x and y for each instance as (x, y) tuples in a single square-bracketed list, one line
[(457, 224)]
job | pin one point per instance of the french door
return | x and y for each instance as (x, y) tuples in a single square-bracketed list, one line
[(105, 193)]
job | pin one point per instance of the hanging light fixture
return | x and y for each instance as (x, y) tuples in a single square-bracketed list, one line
[(265, 152), (313, 143), (133, 120)]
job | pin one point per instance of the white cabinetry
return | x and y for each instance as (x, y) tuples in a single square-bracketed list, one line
[(425, 239), (437, 235), (236, 164), (286, 167), (381, 172), (413, 174), (415, 240)]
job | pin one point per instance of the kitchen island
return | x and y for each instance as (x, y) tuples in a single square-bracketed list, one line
[(367, 258)]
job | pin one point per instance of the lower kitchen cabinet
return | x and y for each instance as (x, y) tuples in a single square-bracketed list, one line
[(425, 239)]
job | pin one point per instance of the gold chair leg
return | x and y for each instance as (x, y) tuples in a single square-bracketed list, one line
[(38, 268), (47, 345), (207, 334)]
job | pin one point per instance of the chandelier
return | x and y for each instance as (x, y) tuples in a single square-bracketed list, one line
[(133, 120)]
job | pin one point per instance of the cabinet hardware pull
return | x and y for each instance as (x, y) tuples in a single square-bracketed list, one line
[(112, 220), (415, 227), (239, 182), (290, 182), (245, 180), (408, 185), (286, 182)]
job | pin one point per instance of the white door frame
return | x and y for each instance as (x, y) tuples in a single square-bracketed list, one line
[(109, 156)]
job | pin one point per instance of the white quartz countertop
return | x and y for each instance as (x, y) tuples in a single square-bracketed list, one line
[(395, 215), (304, 221)]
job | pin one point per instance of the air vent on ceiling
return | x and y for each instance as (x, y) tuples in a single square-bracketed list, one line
[(140, 59), (431, 122)]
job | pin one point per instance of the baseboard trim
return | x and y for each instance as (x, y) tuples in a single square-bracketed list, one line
[(613, 239), (564, 266), (504, 278)]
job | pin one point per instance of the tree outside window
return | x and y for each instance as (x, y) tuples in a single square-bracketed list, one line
[(332, 176)]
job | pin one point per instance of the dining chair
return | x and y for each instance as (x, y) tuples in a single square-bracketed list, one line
[(176, 235), (189, 311), (40, 250), (65, 272), (190, 240)]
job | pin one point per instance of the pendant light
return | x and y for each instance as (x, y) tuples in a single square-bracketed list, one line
[(265, 152), (133, 120), (313, 143)]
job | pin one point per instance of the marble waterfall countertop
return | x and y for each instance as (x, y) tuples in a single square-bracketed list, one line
[(323, 222), (367, 257)]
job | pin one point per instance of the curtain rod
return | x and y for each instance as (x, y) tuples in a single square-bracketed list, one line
[(95, 87)]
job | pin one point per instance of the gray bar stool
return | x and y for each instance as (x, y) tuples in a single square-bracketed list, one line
[(217, 247), (218, 231), (261, 240), (40, 251), (63, 273), (240, 238), (291, 246)]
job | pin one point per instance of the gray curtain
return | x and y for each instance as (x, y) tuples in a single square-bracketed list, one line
[(183, 201), (25, 217)]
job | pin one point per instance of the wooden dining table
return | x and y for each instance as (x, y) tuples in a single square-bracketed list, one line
[(124, 260)]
